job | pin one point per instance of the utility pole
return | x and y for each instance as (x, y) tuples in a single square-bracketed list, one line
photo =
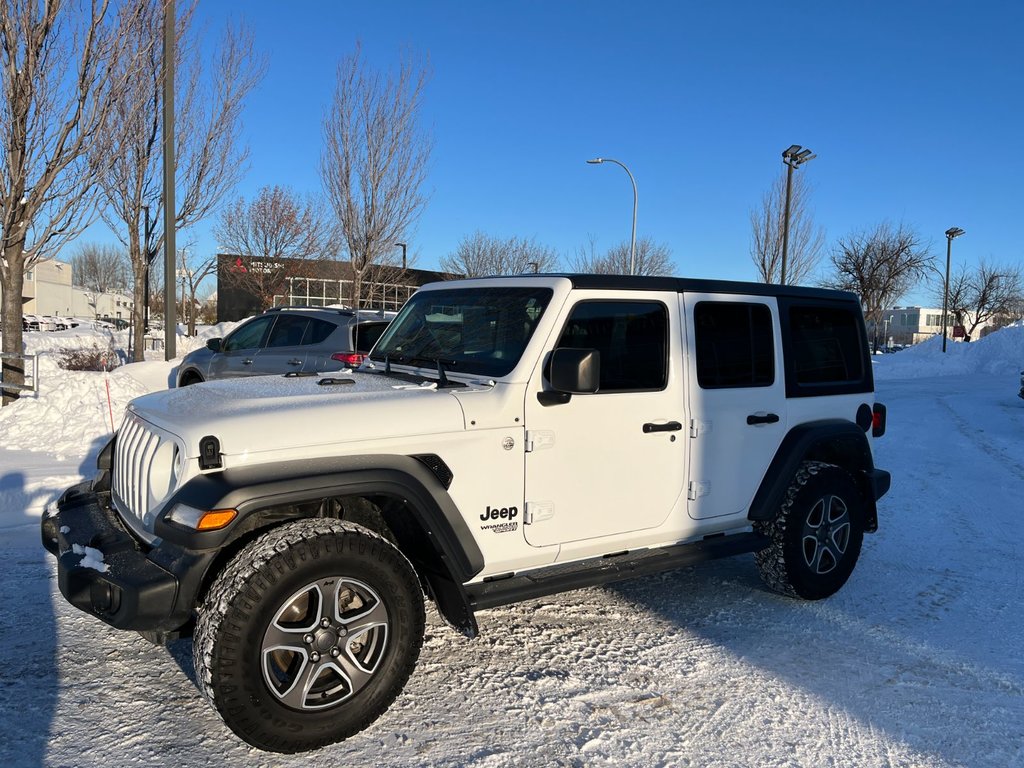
[(170, 321)]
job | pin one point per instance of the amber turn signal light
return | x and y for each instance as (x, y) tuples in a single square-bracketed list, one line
[(216, 519)]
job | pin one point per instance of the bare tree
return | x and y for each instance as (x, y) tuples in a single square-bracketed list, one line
[(650, 258), (983, 294), (100, 268), (880, 266), (480, 254), (192, 271), (208, 153), (386, 282), (374, 160), (61, 66), (276, 225), (806, 241)]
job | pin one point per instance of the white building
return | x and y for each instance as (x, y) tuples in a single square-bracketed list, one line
[(48, 290), (911, 325)]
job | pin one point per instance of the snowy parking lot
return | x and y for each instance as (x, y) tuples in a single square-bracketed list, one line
[(916, 662)]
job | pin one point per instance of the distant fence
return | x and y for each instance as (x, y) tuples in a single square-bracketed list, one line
[(32, 380)]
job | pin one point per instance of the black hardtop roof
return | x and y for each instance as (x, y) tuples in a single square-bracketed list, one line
[(695, 285)]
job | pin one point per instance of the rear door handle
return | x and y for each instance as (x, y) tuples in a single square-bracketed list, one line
[(247, 361), (762, 418), (295, 361), (671, 426)]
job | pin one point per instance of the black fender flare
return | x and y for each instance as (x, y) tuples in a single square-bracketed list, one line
[(836, 441), (433, 535)]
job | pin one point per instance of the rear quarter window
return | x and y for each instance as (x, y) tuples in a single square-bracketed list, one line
[(827, 350), (318, 331)]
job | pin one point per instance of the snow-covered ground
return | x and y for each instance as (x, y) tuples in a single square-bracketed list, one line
[(916, 662)]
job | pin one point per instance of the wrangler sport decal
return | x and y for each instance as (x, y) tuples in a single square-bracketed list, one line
[(507, 515)]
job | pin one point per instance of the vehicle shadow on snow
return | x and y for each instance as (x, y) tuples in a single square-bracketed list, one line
[(181, 652), (907, 681), (29, 630), (28, 636)]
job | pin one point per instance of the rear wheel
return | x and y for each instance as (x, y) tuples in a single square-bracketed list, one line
[(309, 634), (817, 535)]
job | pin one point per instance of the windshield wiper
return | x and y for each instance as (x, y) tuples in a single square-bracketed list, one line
[(441, 364), (442, 374)]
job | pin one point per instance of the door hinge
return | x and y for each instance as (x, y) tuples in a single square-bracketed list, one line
[(697, 489), (536, 511), (536, 439), (698, 427)]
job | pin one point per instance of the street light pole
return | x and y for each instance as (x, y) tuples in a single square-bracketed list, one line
[(632, 238), (793, 157), (170, 324), (950, 234), (403, 247)]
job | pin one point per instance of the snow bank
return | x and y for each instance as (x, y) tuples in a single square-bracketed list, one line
[(71, 413), (999, 353)]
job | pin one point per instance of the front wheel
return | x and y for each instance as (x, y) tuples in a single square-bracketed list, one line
[(817, 535), (309, 634)]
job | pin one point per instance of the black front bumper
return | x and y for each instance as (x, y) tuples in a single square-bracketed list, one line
[(123, 582)]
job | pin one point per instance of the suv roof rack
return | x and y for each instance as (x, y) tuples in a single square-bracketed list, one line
[(348, 312)]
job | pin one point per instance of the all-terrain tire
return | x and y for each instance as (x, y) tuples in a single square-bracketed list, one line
[(817, 535), (308, 634)]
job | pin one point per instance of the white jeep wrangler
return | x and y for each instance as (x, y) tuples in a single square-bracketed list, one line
[(508, 438)]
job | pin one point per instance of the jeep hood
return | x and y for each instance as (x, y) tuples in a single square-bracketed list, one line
[(260, 413)]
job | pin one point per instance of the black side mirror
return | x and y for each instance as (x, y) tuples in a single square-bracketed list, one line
[(576, 371), (213, 345)]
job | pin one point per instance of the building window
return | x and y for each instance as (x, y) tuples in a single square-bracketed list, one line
[(320, 292)]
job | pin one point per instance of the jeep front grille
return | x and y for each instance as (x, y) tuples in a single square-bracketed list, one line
[(145, 469)]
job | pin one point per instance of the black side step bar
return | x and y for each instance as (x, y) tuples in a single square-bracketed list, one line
[(604, 570)]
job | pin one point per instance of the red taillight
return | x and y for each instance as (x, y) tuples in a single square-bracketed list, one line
[(878, 420), (351, 359)]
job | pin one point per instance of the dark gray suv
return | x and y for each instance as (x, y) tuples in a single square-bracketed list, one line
[(287, 339)]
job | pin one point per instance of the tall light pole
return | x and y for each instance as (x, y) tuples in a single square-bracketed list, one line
[(950, 234), (403, 246), (632, 239), (793, 157), (170, 322)]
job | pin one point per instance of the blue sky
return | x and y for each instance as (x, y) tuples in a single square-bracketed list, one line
[(914, 110)]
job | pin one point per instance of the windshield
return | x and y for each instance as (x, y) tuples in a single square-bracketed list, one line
[(480, 331)]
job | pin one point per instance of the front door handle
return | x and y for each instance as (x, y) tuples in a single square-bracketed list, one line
[(671, 426), (295, 361), (762, 418), (247, 361)]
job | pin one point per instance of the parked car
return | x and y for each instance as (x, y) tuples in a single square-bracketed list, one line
[(284, 339)]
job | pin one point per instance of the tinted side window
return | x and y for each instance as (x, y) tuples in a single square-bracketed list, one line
[(249, 335), (631, 337), (826, 345), (366, 335), (288, 331), (735, 345), (319, 330)]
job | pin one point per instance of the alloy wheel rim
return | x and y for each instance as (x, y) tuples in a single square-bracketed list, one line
[(826, 534), (325, 643)]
